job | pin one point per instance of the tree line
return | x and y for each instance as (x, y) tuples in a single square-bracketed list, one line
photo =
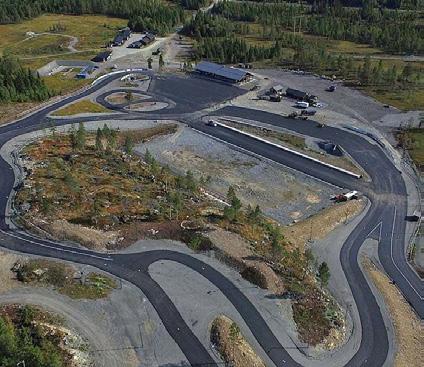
[(396, 31), (154, 15), (18, 84)]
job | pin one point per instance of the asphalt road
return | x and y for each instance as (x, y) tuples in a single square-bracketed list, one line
[(386, 191)]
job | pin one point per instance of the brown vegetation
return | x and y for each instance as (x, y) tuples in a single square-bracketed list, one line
[(409, 329), (231, 344), (64, 279)]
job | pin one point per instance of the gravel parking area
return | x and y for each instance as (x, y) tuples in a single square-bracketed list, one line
[(122, 330), (285, 195)]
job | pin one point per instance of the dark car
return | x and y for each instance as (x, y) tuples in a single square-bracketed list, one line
[(308, 112), (331, 88)]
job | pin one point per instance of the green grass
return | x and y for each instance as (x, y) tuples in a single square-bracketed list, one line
[(93, 31), (83, 106), (45, 44), (402, 99), (416, 146), (96, 286), (61, 277)]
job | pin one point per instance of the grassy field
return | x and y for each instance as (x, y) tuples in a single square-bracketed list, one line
[(92, 31), (83, 106), (45, 44), (415, 146), (402, 99)]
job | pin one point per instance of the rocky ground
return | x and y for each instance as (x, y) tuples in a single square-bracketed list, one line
[(283, 194)]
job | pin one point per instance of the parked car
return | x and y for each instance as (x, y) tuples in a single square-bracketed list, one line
[(302, 104), (308, 112), (331, 88)]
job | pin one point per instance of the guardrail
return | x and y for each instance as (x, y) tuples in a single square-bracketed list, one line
[(289, 150)]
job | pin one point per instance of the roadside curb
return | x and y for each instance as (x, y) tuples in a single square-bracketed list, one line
[(289, 150)]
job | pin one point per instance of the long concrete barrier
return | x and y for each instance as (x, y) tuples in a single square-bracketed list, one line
[(289, 150)]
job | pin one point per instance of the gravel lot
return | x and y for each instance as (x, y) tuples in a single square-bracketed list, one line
[(122, 330), (285, 195)]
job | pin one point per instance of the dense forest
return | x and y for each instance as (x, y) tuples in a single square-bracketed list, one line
[(391, 30), (24, 340), (193, 4), (18, 84), (154, 15)]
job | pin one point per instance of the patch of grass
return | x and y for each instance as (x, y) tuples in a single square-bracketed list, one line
[(413, 141), (93, 31), (95, 286), (83, 106), (61, 277), (61, 85), (44, 44), (409, 99), (36, 62)]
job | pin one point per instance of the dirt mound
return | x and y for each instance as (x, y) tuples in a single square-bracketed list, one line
[(239, 253), (233, 347)]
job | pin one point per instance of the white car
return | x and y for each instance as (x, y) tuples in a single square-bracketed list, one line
[(302, 104)]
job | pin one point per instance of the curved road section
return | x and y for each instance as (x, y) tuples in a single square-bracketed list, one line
[(386, 192)]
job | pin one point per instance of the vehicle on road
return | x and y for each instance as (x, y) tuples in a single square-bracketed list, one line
[(331, 88), (212, 123), (345, 197)]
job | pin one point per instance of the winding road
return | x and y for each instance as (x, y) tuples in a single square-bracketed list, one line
[(386, 192)]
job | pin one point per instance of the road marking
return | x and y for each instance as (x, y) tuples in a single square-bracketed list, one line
[(379, 235), (393, 260), (55, 248), (266, 158)]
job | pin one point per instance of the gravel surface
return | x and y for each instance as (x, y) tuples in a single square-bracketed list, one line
[(122, 330), (283, 194)]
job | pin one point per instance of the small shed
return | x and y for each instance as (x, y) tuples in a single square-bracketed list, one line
[(102, 56)]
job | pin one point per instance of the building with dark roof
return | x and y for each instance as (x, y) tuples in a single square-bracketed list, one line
[(221, 72), (121, 37), (147, 39), (102, 56)]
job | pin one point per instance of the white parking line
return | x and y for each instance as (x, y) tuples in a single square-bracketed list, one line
[(393, 260), (55, 248)]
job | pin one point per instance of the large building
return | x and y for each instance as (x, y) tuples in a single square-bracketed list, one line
[(221, 72)]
